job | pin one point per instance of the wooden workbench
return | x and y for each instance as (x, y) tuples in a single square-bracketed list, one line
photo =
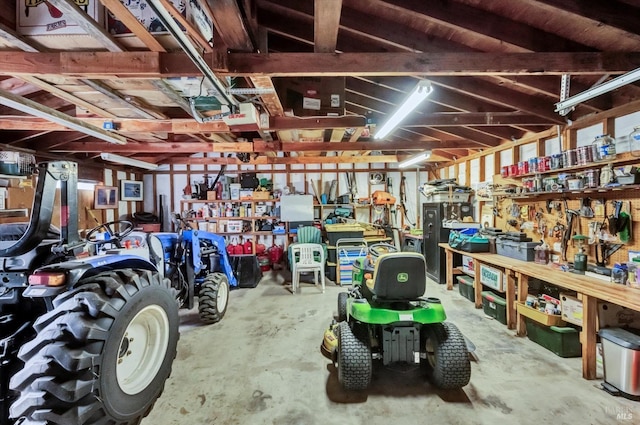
[(590, 288)]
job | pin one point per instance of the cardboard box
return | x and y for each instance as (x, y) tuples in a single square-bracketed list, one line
[(467, 265), (211, 195), (311, 96), (19, 197), (234, 226), (37, 17), (246, 194), (571, 308), (493, 278), (615, 316)]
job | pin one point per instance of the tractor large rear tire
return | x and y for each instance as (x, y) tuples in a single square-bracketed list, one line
[(354, 358), (448, 364), (342, 306), (213, 298), (102, 355)]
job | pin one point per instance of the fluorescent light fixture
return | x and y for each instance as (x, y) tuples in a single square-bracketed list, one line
[(419, 93), (624, 79), (415, 159), (118, 159), (30, 107)]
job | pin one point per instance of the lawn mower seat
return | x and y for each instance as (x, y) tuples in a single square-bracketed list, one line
[(398, 276)]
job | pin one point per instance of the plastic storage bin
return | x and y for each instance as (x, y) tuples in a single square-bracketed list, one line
[(562, 341), (494, 306), (465, 286), (519, 250), (340, 231), (621, 359)]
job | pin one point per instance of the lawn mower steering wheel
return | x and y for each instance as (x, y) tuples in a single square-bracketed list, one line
[(377, 249), (116, 237)]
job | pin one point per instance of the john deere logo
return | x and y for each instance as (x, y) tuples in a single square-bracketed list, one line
[(402, 277)]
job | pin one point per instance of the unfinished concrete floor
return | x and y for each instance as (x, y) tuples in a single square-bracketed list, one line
[(262, 365)]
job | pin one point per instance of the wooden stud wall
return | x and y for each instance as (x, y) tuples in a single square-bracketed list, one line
[(568, 137)]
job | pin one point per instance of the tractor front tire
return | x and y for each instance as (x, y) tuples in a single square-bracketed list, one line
[(102, 354), (342, 306), (213, 298), (448, 365), (354, 358)]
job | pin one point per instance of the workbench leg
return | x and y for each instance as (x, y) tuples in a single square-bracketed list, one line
[(523, 291), (477, 286), (449, 261), (589, 312), (511, 299)]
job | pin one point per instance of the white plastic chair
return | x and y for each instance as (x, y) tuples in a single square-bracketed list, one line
[(307, 257)]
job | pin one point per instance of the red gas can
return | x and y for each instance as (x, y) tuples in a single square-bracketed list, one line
[(247, 247), (275, 254)]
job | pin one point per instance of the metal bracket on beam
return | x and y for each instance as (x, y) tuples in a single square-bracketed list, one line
[(565, 84)]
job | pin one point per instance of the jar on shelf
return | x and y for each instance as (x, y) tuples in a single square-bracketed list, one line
[(634, 141), (605, 147)]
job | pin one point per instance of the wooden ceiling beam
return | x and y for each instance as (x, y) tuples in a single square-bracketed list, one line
[(255, 146), (152, 65), (261, 160), (230, 24), (426, 64), (326, 25), (183, 125)]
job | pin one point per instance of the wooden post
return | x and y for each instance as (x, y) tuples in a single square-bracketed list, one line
[(511, 299), (588, 337), (477, 286), (449, 264), (523, 290)]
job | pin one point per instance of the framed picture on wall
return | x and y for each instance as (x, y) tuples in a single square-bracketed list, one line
[(105, 197), (130, 190)]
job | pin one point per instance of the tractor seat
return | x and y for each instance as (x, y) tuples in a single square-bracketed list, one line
[(398, 276)]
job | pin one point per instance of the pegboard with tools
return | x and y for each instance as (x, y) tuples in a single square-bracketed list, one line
[(610, 224)]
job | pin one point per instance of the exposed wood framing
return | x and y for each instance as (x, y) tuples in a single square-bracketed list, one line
[(161, 65)]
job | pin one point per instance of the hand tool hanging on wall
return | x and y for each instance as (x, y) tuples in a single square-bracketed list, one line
[(604, 251), (613, 218), (585, 210), (568, 231), (403, 200)]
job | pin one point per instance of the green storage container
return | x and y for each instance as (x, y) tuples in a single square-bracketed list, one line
[(494, 306), (465, 286), (563, 341)]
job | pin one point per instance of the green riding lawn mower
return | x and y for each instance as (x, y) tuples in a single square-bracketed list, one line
[(384, 317)]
